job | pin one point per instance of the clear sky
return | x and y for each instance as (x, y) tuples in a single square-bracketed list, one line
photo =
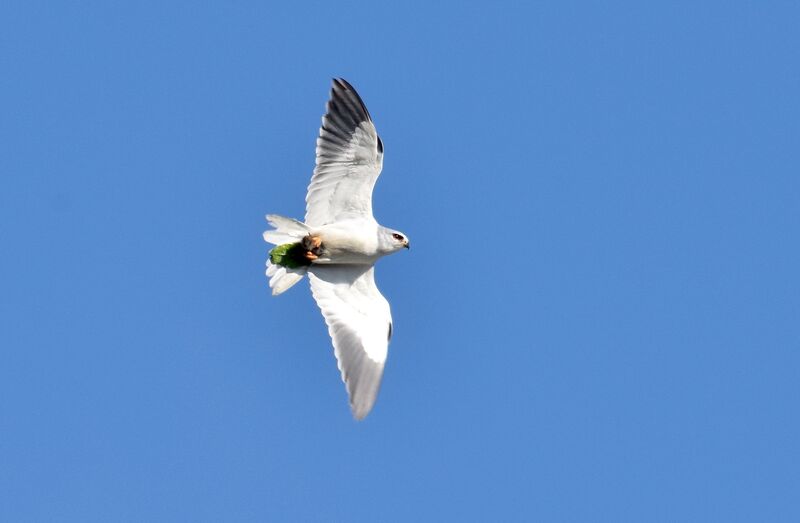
[(599, 318)]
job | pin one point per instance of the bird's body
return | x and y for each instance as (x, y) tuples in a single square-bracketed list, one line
[(349, 242), (339, 243)]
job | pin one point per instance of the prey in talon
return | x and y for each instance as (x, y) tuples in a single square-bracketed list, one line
[(313, 246)]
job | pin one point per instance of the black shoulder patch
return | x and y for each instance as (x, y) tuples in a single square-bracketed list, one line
[(389, 338), (380, 145)]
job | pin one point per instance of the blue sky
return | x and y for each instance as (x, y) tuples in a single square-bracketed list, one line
[(598, 320)]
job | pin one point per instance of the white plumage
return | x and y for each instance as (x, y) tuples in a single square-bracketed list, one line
[(340, 242)]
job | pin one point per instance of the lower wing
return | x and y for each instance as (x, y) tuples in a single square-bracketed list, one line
[(360, 323)]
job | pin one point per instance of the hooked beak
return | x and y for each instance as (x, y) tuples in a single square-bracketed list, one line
[(406, 244)]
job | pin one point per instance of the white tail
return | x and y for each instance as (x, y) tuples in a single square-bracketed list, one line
[(281, 278), (286, 230)]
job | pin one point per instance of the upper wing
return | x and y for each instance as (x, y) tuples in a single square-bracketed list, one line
[(360, 323), (349, 160)]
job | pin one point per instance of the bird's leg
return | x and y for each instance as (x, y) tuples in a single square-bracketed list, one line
[(313, 246)]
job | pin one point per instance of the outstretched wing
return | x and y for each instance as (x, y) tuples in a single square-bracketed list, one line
[(349, 160), (360, 324)]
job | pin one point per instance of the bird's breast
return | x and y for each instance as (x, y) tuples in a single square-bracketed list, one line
[(348, 243)]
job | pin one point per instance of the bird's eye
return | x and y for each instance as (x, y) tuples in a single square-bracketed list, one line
[(398, 237)]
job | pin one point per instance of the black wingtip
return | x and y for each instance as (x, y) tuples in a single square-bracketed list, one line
[(344, 85)]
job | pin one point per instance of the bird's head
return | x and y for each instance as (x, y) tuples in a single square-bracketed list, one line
[(392, 241)]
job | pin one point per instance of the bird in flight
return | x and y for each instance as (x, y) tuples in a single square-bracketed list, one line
[(338, 244)]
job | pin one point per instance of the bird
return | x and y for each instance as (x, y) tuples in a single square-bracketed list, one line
[(339, 242)]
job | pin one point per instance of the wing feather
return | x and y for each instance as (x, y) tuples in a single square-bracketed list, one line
[(360, 322), (349, 160)]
